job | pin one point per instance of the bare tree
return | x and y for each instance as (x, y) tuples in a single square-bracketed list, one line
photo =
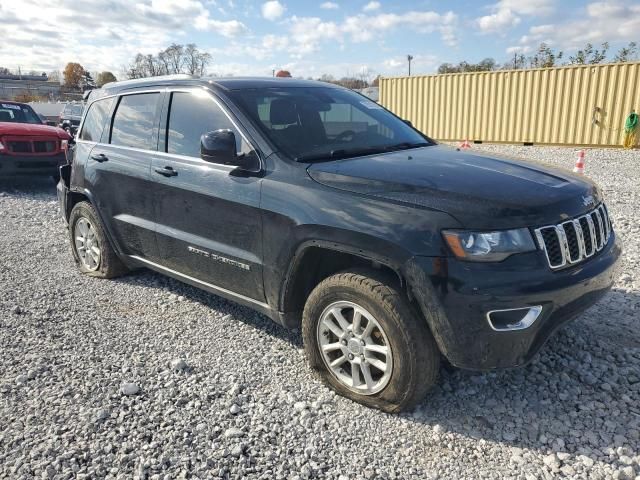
[(486, 65), (545, 57), (195, 61), (163, 60), (327, 78), (173, 59), (364, 76), (55, 76), (589, 55), (627, 54)]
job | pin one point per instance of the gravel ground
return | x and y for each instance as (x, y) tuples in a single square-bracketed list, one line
[(144, 377)]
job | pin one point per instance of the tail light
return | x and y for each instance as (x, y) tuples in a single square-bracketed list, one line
[(64, 145), (1, 147)]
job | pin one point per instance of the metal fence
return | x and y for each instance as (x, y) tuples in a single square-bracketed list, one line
[(574, 105)]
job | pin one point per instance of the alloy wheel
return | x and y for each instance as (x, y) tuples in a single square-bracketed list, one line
[(355, 348), (87, 244)]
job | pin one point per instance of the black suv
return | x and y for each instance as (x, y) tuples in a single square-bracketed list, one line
[(319, 208), (70, 117)]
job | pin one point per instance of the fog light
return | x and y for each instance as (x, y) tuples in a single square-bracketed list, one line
[(513, 318)]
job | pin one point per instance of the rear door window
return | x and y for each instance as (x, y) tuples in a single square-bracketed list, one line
[(135, 121), (96, 119)]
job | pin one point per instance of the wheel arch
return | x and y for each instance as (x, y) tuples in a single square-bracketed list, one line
[(85, 195), (73, 198), (316, 260)]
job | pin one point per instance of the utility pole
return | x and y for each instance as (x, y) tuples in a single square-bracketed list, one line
[(409, 58), (515, 60)]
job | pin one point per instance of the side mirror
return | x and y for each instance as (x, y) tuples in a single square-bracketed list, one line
[(219, 146)]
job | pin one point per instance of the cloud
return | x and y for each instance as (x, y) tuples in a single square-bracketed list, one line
[(272, 10), (607, 21), (507, 14), (230, 28), (502, 19), (329, 6), (529, 7), (371, 6), (308, 33), (108, 33), (97, 30)]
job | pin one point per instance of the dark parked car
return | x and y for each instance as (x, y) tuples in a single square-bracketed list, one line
[(27, 146), (70, 117), (319, 208)]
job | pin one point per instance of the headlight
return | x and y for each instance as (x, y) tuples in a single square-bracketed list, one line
[(488, 246)]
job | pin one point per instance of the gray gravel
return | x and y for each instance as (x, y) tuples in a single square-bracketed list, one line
[(143, 377)]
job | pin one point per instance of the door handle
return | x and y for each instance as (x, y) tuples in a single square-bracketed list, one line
[(100, 157), (166, 171)]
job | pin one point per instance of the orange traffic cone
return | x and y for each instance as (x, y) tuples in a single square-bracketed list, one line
[(579, 168), (465, 144)]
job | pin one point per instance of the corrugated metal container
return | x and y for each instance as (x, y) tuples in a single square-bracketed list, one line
[(574, 105)]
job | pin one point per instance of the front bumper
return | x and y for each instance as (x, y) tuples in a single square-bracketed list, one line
[(47, 165), (455, 297)]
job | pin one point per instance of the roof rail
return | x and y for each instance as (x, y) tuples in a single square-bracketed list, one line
[(135, 81)]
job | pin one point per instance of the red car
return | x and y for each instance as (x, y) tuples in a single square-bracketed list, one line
[(27, 146)]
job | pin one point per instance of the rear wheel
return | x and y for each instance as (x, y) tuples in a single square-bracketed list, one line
[(91, 249), (367, 343)]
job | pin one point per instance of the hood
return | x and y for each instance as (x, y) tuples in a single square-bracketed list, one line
[(32, 129), (480, 190)]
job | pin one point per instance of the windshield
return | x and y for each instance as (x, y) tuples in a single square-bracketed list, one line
[(317, 123), (15, 113), (73, 110)]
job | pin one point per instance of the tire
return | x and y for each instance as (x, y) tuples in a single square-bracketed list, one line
[(106, 264), (412, 360)]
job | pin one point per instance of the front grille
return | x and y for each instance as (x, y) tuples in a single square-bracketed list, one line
[(20, 147), (34, 145), (44, 146), (575, 240)]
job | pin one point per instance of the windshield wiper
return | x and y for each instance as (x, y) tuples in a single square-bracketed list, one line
[(356, 152), (405, 146), (339, 153)]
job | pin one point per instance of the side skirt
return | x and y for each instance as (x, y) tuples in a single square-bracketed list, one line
[(256, 305)]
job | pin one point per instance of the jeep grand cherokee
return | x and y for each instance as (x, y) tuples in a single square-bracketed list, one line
[(317, 207)]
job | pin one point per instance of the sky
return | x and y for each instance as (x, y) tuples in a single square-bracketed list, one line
[(308, 38)]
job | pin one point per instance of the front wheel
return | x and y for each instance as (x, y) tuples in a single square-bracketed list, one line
[(367, 343)]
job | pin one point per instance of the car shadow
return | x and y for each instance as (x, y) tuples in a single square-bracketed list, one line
[(30, 185), (225, 307), (574, 397)]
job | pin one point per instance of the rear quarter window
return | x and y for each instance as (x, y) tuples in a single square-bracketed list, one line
[(96, 120)]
